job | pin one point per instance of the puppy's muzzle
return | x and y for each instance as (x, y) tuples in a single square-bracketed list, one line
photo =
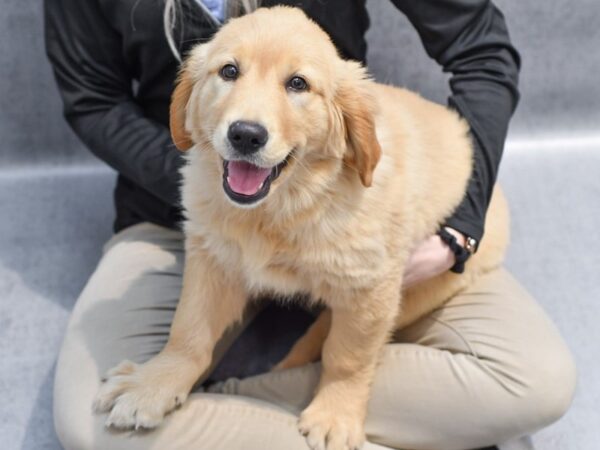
[(247, 137)]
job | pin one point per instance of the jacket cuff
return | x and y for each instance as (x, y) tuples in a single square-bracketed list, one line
[(467, 226)]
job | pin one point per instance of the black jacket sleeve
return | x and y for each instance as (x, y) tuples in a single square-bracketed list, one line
[(96, 88), (469, 39)]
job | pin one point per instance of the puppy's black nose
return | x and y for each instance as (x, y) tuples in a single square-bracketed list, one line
[(247, 137)]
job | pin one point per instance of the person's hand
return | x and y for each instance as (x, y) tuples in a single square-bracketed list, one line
[(430, 258)]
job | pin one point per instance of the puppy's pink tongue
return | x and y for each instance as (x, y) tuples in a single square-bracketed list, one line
[(245, 178)]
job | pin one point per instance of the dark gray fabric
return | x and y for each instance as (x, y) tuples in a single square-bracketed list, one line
[(470, 40)]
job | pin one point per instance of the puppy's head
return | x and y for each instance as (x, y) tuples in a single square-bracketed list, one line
[(270, 96)]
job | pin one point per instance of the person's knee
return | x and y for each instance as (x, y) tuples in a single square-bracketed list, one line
[(550, 388), (69, 433), (561, 380), (72, 405)]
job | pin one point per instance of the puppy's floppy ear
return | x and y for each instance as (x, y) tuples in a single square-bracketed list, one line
[(194, 64), (358, 107), (179, 100)]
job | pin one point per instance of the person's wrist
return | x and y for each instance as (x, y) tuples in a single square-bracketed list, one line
[(461, 239), (456, 242)]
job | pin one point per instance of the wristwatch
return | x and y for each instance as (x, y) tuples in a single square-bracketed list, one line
[(461, 254), (470, 244)]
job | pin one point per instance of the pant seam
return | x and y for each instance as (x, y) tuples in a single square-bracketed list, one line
[(475, 357), (464, 340)]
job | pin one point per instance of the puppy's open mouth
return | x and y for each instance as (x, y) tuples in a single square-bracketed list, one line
[(246, 183)]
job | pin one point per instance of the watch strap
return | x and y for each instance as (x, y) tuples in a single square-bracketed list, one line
[(461, 254)]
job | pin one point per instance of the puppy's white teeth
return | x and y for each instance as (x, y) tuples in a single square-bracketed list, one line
[(261, 185), (229, 179)]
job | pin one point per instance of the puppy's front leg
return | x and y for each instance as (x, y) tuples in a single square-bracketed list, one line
[(139, 396), (335, 418)]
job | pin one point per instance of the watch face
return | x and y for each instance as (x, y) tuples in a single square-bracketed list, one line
[(471, 244)]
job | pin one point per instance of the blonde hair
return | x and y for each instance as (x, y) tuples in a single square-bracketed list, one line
[(233, 8)]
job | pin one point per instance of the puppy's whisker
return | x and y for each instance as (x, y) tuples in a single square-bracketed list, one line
[(300, 163)]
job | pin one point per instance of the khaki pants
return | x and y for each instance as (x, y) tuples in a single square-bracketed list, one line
[(487, 367)]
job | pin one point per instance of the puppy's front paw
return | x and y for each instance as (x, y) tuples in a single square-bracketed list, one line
[(328, 428), (139, 396)]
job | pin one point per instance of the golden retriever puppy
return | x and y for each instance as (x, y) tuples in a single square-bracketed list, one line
[(303, 176)]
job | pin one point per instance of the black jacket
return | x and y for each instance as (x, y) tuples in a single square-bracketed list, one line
[(115, 73)]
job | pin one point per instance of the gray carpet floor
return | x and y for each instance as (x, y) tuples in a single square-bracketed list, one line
[(54, 221)]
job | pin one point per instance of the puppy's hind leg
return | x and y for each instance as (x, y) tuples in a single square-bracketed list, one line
[(140, 395), (308, 348)]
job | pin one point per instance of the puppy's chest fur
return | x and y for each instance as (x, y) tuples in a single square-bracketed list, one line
[(319, 260)]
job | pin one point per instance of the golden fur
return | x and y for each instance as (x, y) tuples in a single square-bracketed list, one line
[(374, 170)]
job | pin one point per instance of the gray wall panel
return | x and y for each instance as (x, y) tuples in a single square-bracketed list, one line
[(559, 41), (32, 128)]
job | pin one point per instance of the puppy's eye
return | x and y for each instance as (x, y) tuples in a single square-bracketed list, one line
[(297, 84), (229, 72)]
